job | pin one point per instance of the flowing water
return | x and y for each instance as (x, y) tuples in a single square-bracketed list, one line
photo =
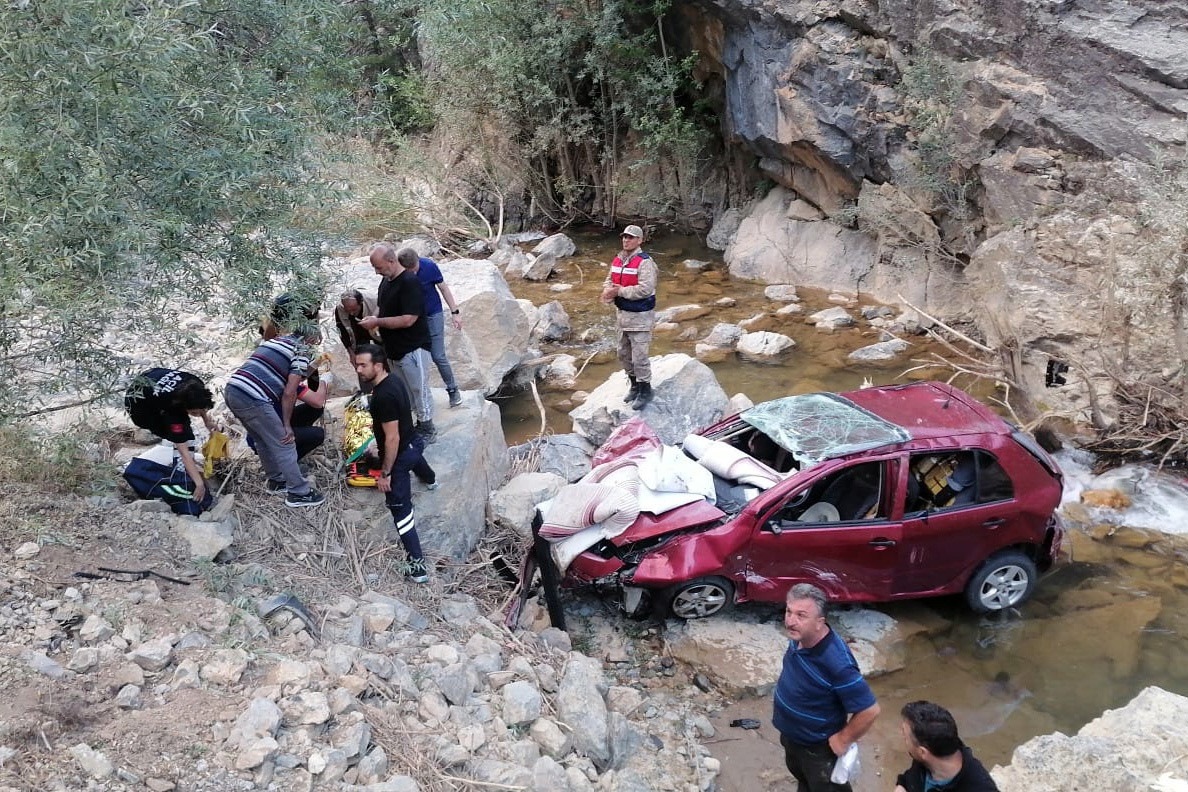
[(1099, 629)]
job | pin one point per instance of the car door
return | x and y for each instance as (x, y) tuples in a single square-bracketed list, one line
[(960, 506), (833, 530)]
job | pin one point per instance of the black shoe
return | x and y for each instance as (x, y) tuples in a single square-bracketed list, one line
[(311, 498), (645, 396), (633, 391), (455, 397), (274, 487), (417, 571)]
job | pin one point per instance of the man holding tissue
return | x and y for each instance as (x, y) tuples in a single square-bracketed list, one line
[(822, 704)]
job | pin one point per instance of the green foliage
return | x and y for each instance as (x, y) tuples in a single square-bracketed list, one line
[(571, 82), (154, 153), (930, 93), (68, 462)]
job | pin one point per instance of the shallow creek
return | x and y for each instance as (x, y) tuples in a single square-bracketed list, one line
[(1098, 630)]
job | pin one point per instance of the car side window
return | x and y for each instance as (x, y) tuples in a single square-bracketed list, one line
[(953, 479), (852, 493)]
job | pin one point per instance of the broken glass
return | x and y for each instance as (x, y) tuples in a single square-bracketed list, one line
[(817, 426)]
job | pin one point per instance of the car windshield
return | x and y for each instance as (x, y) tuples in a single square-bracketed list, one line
[(817, 426)]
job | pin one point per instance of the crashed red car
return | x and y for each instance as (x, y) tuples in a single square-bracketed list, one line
[(874, 495)]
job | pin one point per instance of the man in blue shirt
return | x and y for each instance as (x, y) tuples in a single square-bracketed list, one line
[(432, 282), (822, 705)]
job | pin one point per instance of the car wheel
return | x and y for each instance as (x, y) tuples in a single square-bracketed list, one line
[(700, 597), (1004, 581)]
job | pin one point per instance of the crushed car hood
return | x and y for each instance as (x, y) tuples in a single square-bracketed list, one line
[(649, 525)]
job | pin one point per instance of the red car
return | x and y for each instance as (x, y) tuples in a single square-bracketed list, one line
[(874, 495)]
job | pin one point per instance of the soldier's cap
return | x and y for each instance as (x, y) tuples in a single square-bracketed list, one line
[(633, 231)]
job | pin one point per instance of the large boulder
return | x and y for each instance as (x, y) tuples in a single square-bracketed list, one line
[(494, 335), (557, 246), (771, 247), (740, 656), (540, 267), (469, 457), (1144, 732), (764, 347), (552, 323), (687, 397), (511, 506)]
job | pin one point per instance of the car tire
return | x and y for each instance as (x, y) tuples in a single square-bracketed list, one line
[(699, 598), (1006, 580)]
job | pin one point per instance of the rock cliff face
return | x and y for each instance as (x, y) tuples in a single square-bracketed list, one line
[(991, 161)]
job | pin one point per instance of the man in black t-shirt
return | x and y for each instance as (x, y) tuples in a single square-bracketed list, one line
[(940, 761), (400, 449), (162, 401), (403, 326)]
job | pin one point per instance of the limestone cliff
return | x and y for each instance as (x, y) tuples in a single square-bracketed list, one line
[(995, 162)]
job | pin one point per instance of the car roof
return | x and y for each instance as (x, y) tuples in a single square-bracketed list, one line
[(929, 410)]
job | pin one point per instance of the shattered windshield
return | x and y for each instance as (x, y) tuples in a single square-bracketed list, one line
[(817, 426)]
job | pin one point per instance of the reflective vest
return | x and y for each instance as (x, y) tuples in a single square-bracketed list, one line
[(628, 275)]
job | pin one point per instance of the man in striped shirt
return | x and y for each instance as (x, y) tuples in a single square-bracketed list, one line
[(268, 378), (822, 703)]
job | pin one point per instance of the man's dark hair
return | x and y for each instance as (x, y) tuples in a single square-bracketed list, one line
[(193, 395), (932, 727), (378, 355), (408, 258)]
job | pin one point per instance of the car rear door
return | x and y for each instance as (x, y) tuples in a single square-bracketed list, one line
[(849, 548), (960, 508)]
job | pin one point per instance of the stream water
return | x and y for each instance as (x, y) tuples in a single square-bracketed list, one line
[(1098, 630)]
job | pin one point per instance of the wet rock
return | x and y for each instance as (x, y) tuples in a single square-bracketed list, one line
[(711, 354), (755, 323), (782, 293), (687, 397), (725, 302), (582, 709), (791, 309), (681, 313), (522, 703), (93, 763), (831, 318), (557, 245), (877, 311), (764, 347), (552, 323), (724, 335), (559, 375), (540, 267), (512, 506), (884, 350), (1137, 732), (694, 264)]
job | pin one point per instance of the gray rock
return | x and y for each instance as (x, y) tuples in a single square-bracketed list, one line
[(629, 780), (186, 674), (512, 506), (404, 615), (522, 703), (460, 609), (351, 738), (877, 311), (225, 667), (372, 767), (548, 776), (559, 375), (694, 264), (723, 335), (457, 682), (335, 766), (724, 228), (781, 293), (581, 708), (84, 659), (516, 264), (556, 638), (128, 697), (884, 350), (764, 347), (740, 656), (206, 539), (494, 335), (622, 740), (93, 763), (831, 318), (557, 245), (687, 397), (261, 719), (551, 738), (506, 774), (566, 455), (306, 707), (153, 655), (540, 268), (95, 629), (377, 616), (681, 313), (26, 551)]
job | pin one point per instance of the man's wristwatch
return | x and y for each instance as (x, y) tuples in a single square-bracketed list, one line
[(456, 311), (385, 474)]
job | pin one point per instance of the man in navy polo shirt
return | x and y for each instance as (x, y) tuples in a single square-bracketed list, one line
[(822, 703)]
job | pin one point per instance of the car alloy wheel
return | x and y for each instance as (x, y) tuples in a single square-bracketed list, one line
[(1004, 581), (701, 597)]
